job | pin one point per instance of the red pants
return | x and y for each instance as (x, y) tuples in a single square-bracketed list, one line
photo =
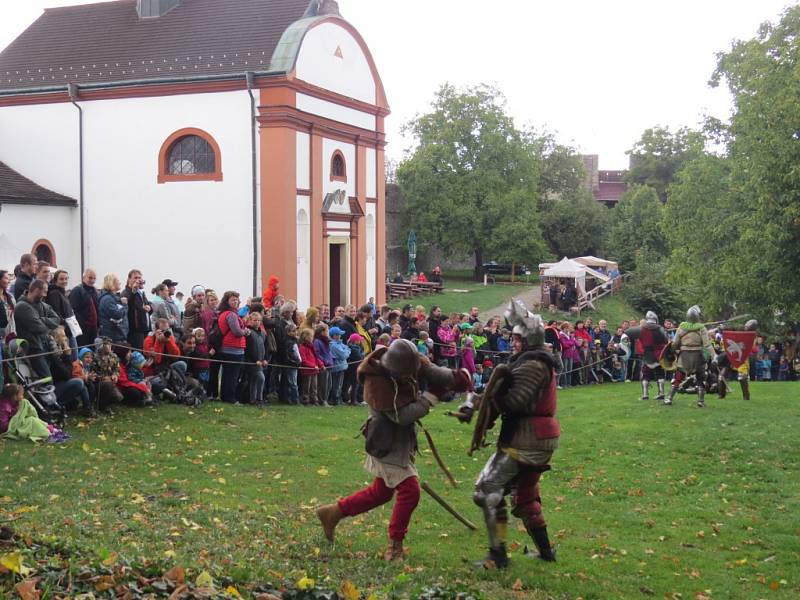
[(377, 494), (526, 501)]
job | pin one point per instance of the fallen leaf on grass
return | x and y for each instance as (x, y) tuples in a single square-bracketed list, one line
[(517, 585), (349, 591), (178, 592), (232, 591), (176, 575), (204, 580), (774, 585), (27, 590), (103, 582), (13, 562), (305, 583), (323, 471)]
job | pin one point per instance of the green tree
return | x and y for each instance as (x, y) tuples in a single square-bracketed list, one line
[(471, 184), (636, 227), (575, 226), (658, 156), (764, 154)]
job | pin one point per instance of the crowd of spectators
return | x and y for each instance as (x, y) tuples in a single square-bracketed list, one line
[(119, 343)]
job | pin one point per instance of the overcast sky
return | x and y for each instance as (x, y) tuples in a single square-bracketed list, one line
[(594, 73)]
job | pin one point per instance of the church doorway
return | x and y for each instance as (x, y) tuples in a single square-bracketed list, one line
[(338, 260)]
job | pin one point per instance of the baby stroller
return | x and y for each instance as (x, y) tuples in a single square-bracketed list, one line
[(39, 391)]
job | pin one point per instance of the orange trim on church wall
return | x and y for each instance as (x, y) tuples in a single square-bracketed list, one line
[(380, 229), (163, 157), (278, 171), (319, 251), (360, 227)]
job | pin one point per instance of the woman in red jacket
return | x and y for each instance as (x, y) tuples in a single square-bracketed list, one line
[(234, 332)]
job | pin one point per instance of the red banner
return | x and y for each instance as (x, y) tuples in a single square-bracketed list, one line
[(738, 346)]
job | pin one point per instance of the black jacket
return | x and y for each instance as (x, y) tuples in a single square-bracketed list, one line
[(21, 284), (138, 317), (57, 299), (80, 298), (61, 367)]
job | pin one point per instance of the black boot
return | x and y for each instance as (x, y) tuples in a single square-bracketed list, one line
[(496, 559), (539, 535)]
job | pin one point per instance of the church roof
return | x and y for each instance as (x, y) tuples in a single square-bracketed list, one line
[(15, 188), (108, 42)]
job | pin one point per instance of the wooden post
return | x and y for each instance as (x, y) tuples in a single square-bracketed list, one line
[(513, 270)]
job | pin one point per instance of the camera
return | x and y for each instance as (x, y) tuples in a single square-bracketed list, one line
[(168, 334)]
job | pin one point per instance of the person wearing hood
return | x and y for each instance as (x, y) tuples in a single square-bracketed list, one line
[(392, 378), (653, 339), (270, 292)]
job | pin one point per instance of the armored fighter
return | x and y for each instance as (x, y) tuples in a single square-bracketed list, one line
[(653, 338), (522, 395), (738, 346), (693, 347)]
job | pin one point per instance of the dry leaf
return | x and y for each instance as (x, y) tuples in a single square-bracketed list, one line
[(517, 585), (232, 591), (178, 592), (204, 580), (111, 559), (27, 590), (176, 575), (104, 582), (349, 591), (323, 471), (305, 583)]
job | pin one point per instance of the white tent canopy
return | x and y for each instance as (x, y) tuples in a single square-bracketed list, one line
[(594, 262), (566, 267)]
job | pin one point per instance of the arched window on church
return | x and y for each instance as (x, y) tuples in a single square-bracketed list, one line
[(338, 167), (190, 155)]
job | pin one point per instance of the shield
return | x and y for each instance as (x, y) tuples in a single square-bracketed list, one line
[(738, 345), (668, 358)]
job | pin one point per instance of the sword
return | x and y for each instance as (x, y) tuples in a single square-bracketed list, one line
[(468, 524), (437, 456)]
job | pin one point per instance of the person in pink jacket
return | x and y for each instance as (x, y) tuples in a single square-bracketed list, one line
[(448, 336), (569, 353)]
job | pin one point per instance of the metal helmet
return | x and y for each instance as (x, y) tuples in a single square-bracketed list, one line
[(525, 324), (651, 317), (693, 314), (401, 358), (751, 325)]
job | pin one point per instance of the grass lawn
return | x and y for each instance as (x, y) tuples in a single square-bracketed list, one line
[(643, 501), (471, 294)]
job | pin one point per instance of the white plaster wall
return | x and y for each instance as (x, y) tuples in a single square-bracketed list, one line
[(371, 252), (24, 225), (372, 174), (349, 152), (318, 64), (303, 150), (41, 142), (192, 232), (337, 112), (303, 252)]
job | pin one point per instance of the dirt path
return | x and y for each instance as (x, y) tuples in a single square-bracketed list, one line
[(528, 296)]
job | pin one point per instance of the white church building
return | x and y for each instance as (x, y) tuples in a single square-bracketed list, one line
[(212, 142)]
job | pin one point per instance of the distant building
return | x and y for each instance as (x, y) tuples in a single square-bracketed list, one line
[(606, 187)]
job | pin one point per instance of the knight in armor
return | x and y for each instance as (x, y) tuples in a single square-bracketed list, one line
[(522, 394), (392, 379), (693, 348), (742, 373), (653, 339)]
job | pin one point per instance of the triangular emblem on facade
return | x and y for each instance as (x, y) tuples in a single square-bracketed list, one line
[(338, 52)]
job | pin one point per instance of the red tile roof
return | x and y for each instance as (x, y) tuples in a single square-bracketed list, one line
[(108, 42), (610, 191)]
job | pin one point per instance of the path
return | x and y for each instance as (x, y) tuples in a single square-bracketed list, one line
[(529, 296)]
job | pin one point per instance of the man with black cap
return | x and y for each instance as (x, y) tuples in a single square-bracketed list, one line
[(392, 378), (172, 307)]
